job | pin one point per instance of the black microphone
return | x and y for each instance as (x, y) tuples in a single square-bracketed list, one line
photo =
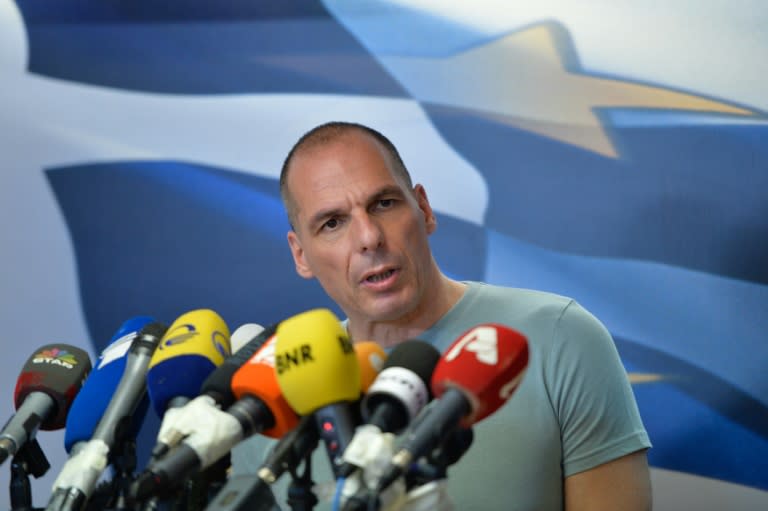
[(218, 385), (45, 389), (394, 398), (401, 389), (290, 450)]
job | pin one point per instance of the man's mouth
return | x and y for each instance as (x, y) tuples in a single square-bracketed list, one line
[(380, 276)]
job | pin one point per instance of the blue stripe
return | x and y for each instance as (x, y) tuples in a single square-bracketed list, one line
[(715, 323), (209, 49)]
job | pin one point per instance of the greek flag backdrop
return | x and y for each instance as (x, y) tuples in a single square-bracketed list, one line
[(611, 150)]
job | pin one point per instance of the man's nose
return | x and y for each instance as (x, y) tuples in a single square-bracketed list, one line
[(369, 233)]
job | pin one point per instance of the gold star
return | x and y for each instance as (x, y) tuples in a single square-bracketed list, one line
[(644, 378), (521, 80)]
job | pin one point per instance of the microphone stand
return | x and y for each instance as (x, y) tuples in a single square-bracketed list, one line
[(205, 485), (113, 495), (29, 460), (434, 467), (300, 495), (124, 465), (437, 462)]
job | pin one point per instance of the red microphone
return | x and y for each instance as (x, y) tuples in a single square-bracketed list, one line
[(45, 390), (476, 375)]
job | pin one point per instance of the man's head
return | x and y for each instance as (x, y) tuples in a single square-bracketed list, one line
[(359, 225), (325, 134)]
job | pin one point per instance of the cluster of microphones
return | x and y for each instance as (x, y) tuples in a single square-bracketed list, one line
[(390, 423)]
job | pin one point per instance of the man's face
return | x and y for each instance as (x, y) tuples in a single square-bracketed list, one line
[(360, 230)]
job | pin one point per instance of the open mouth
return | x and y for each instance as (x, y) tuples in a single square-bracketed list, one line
[(380, 276)]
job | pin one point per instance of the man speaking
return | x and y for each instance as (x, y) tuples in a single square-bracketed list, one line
[(571, 436)]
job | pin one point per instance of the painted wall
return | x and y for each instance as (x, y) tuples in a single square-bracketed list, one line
[(612, 151)]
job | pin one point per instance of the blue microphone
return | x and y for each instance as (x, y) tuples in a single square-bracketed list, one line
[(194, 345), (94, 397)]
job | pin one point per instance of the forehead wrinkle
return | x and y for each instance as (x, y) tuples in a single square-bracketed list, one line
[(341, 164)]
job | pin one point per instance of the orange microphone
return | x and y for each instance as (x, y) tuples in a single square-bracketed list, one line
[(370, 358)]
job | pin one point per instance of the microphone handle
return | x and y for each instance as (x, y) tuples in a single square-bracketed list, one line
[(66, 499), (129, 393), (290, 450), (437, 424), (130, 390), (336, 426), (442, 417), (24, 423), (244, 493)]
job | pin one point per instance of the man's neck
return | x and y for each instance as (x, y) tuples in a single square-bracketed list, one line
[(391, 333)]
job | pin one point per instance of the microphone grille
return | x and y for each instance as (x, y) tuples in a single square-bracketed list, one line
[(418, 356)]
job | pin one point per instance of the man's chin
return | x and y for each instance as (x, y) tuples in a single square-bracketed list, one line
[(386, 311)]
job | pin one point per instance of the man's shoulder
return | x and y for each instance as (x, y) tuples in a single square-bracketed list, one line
[(520, 299), (532, 312)]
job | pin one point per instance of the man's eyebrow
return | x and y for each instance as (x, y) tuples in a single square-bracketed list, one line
[(387, 190), (321, 215)]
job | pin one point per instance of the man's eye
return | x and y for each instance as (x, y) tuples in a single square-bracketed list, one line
[(386, 203), (331, 224)]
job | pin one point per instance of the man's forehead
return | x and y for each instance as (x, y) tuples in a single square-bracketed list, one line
[(340, 161)]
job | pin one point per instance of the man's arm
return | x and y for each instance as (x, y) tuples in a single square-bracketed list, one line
[(623, 484)]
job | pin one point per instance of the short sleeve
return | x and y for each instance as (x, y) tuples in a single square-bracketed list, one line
[(590, 392)]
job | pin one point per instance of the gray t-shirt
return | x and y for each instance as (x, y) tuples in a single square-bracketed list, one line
[(573, 410)]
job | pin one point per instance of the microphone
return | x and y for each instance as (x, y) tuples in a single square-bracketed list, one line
[(194, 345), (319, 374), (397, 394), (92, 400), (243, 335), (295, 445), (370, 358), (45, 389), (476, 375), (218, 386), (77, 480), (243, 492), (216, 390), (401, 390), (260, 408)]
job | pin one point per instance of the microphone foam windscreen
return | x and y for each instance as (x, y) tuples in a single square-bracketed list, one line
[(404, 382), (219, 383), (257, 377), (417, 356), (315, 361), (487, 362), (370, 357), (243, 335), (94, 397), (192, 347), (57, 370)]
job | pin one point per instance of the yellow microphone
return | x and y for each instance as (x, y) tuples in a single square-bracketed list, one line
[(194, 345), (318, 373)]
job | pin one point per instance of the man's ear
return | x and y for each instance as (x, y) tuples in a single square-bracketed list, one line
[(302, 268), (430, 219)]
